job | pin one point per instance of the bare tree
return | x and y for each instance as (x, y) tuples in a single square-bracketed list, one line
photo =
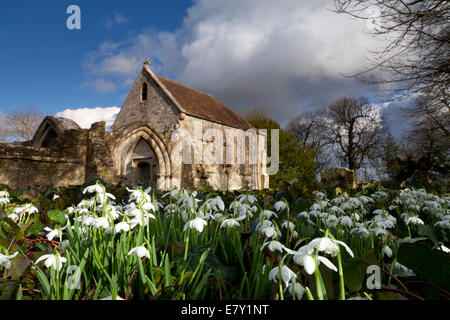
[(417, 34), (21, 123), (355, 130), (309, 131)]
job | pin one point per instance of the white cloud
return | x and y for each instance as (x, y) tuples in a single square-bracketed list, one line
[(116, 19), (285, 56), (101, 85), (85, 117)]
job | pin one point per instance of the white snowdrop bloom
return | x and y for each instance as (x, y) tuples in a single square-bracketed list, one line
[(121, 227), (331, 221), (102, 198), (148, 206), (14, 217), (26, 209), (443, 248), (86, 220), (346, 221), (139, 196), (414, 220), (230, 223), (315, 207), (54, 261), (356, 216), (52, 233), (249, 198), (401, 268), (197, 224), (379, 231), (362, 231), (263, 224), (110, 298), (4, 194), (139, 252), (268, 214), (64, 244), (320, 195), (337, 210), (366, 200), (444, 224), (215, 204), (287, 275), (298, 288), (387, 251), (273, 245), (96, 188), (338, 200), (329, 246), (304, 214), (285, 225), (269, 232), (5, 260), (410, 240), (323, 215), (101, 222), (304, 258), (314, 213), (280, 205)]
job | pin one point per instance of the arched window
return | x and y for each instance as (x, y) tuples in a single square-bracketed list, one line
[(144, 92)]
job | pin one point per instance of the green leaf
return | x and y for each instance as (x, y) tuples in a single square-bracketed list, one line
[(57, 216), (429, 264), (355, 271), (34, 228)]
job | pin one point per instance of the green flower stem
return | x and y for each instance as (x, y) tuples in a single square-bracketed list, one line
[(341, 277), (318, 281)]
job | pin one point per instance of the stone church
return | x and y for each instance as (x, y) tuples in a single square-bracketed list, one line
[(140, 148)]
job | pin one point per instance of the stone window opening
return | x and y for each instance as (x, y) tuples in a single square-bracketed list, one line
[(144, 92)]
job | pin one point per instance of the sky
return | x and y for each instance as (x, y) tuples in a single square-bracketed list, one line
[(286, 56)]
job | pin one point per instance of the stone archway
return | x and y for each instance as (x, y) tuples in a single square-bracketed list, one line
[(142, 156)]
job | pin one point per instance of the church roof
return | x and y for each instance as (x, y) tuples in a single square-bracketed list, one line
[(202, 105)]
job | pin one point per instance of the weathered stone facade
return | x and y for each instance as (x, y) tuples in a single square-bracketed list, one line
[(158, 119)]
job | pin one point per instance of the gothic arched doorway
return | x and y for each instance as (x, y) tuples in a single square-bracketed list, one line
[(145, 164)]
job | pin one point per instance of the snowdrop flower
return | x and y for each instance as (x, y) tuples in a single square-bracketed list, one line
[(410, 240), (362, 231), (139, 252), (230, 223), (268, 214), (110, 298), (298, 288), (401, 268), (64, 244), (280, 205), (139, 195), (346, 221), (121, 227), (331, 221), (269, 232), (197, 224), (320, 195), (413, 220), (329, 246), (54, 261), (387, 251), (285, 225), (444, 224), (249, 198), (101, 223), (443, 248), (96, 188), (273, 245), (287, 275), (52, 233), (303, 257), (5, 261)]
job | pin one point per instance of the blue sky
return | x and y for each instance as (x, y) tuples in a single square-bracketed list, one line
[(286, 56), (41, 60)]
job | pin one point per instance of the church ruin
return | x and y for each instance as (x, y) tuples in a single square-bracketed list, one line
[(140, 148)]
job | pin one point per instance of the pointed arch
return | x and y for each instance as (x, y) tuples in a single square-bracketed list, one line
[(130, 138)]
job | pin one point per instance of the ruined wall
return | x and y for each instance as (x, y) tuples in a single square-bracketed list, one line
[(22, 166)]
